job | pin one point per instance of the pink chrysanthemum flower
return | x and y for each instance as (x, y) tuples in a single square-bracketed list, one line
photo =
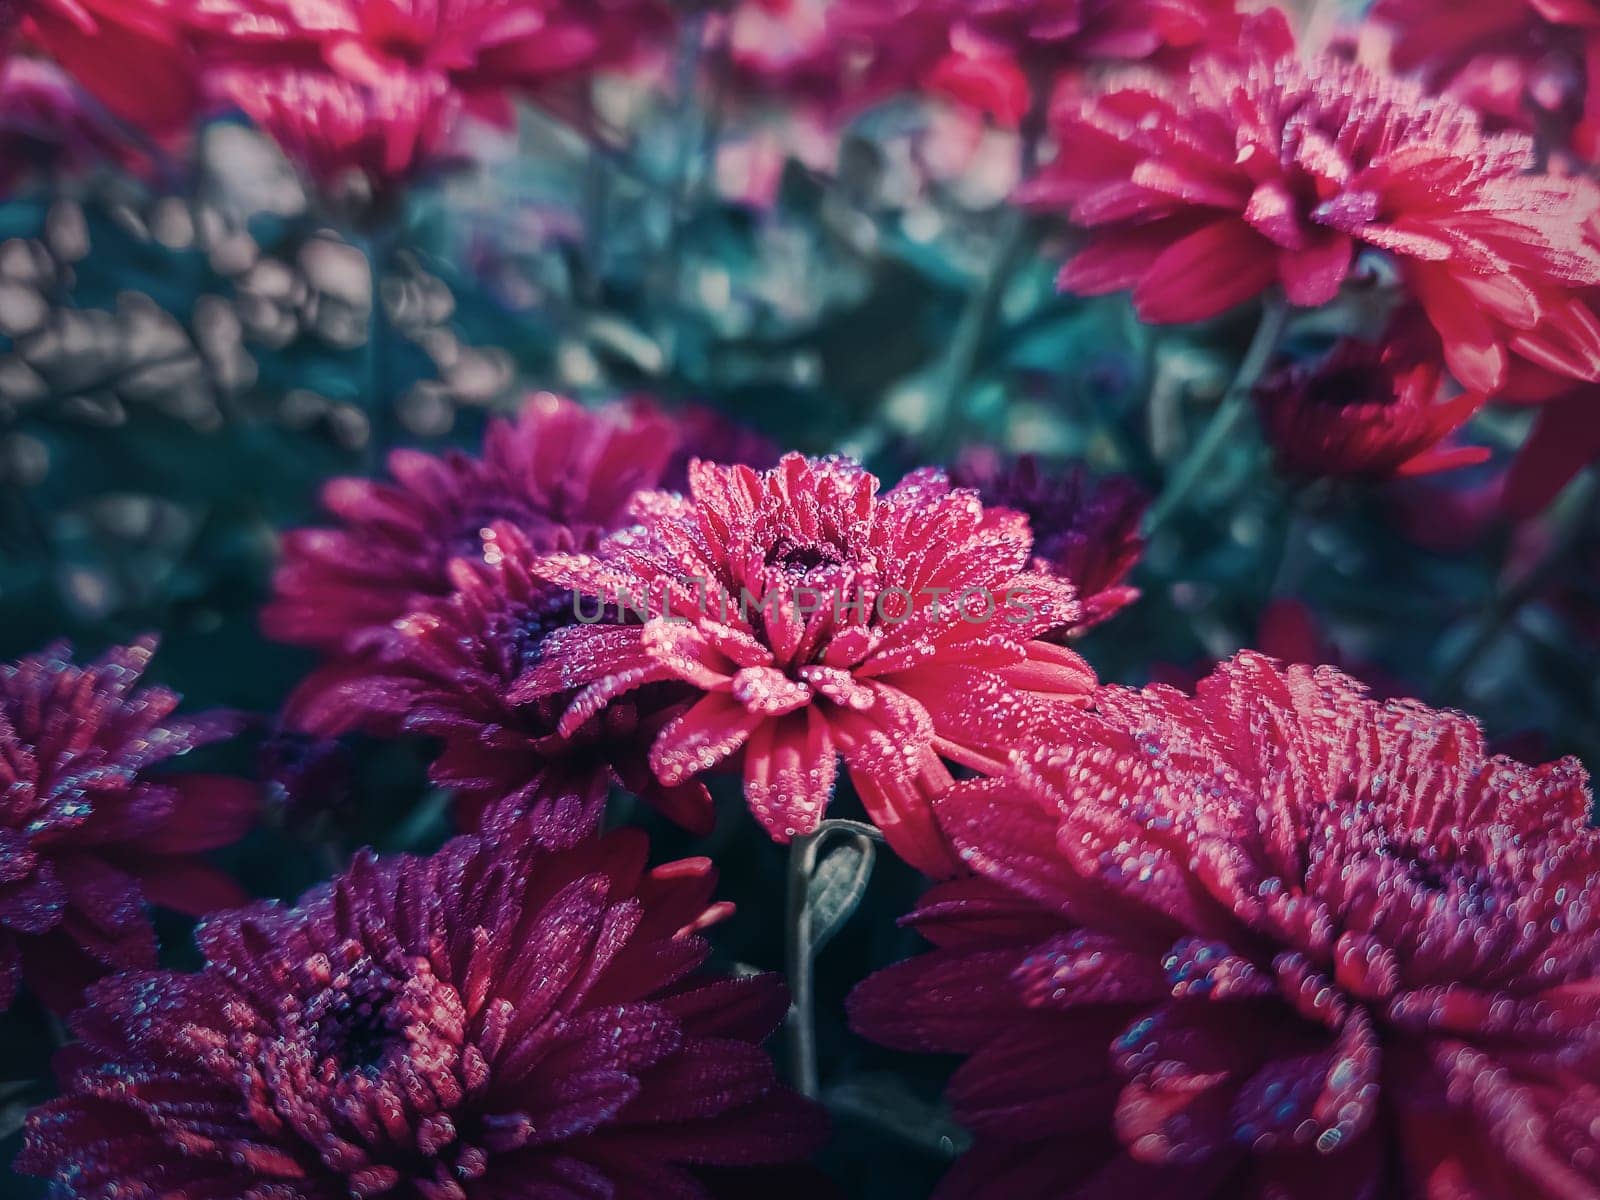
[(1522, 62), (1366, 410), (817, 618), (91, 830), (387, 134), (474, 48), (1274, 940), (1085, 531), (1259, 170), (994, 54), (453, 670), (497, 1020), (560, 473)]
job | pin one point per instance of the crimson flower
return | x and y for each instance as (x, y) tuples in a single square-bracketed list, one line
[(1366, 410), (131, 55), (816, 618), (1277, 939), (475, 49), (1565, 439), (561, 473), (45, 124), (989, 52), (1085, 531), (1522, 62), (91, 829), (1260, 170), (500, 1019), (452, 670)]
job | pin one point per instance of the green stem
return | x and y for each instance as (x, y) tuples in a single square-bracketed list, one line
[(1228, 417), (379, 247), (801, 1021), (1573, 527)]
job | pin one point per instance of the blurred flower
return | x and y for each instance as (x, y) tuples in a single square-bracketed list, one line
[(308, 779), (472, 48), (705, 433), (90, 831), (1085, 531), (44, 124), (1259, 170), (130, 55), (1274, 940), (1366, 410), (1521, 62), (1565, 440), (992, 53), (388, 134), (451, 670), (818, 618), (561, 473), (498, 1019)]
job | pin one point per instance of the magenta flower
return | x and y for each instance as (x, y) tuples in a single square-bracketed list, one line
[(1274, 940), (453, 670), (1085, 531), (1367, 410), (816, 618), (499, 1019), (1259, 170), (560, 473), (90, 830)]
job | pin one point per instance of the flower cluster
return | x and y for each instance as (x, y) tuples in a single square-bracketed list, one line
[(1276, 939), (91, 830), (1259, 171), (498, 1019)]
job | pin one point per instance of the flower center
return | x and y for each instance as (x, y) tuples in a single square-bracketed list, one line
[(351, 1026), (800, 558)]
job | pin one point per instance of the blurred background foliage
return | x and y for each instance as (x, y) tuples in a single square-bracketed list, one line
[(183, 363)]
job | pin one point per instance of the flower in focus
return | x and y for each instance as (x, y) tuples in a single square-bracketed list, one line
[(452, 670), (817, 618), (90, 830), (1259, 170), (1521, 62), (1365, 410), (1084, 531), (561, 473), (499, 1019), (1277, 939)]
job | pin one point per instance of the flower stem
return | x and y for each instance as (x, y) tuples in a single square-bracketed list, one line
[(1574, 525), (1225, 421), (379, 247), (805, 939)]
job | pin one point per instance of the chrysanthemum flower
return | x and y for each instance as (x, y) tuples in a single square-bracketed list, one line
[(1274, 940), (561, 473), (1085, 531), (991, 52), (1366, 410), (90, 828), (1259, 170), (816, 618), (130, 55), (473, 48), (387, 134), (452, 670), (1522, 62), (496, 1020)]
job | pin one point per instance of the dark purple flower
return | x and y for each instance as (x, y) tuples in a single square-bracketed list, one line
[(498, 1020), (452, 670), (1085, 531), (560, 472), (1274, 940), (90, 832)]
